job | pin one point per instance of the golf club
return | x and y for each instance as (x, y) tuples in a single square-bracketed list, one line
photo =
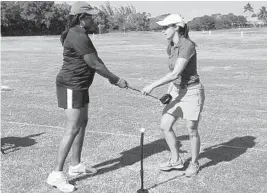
[(140, 92), (165, 99)]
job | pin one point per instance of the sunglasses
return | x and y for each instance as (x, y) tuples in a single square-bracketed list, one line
[(166, 27), (86, 15)]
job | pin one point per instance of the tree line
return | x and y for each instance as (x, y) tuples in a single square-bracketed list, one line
[(217, 21), (48, 18)]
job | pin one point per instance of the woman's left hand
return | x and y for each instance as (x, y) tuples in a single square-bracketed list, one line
[(147, 90)]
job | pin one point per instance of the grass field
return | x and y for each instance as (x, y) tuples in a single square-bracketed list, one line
[(233, 127)]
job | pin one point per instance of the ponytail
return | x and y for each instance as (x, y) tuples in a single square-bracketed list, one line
[(184, 31), (72, 21)]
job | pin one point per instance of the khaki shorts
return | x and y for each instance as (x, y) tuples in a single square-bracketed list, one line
[(186, 103)]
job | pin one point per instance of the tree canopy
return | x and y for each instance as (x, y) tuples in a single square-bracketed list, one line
[(47, 18)]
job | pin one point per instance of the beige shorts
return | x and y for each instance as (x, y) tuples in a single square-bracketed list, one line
[(186, 103)]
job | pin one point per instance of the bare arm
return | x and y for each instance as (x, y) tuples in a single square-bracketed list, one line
[(170, 88), (178, 69), (94, 62)]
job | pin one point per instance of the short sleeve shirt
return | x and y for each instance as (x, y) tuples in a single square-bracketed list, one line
[(184, 49), (75, 73)]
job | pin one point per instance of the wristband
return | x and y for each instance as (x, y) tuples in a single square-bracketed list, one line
[(113, 82), (118, 82)]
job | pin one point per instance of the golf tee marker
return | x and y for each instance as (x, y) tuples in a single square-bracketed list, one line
[(142, 190)]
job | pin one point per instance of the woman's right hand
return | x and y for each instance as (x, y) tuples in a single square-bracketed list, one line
[(122, 83)]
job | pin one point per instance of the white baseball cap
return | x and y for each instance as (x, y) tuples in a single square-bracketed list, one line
[(82, 7), (172, 19)]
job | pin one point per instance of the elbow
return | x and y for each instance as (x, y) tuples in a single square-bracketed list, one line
[(174, 76), (97, 66)]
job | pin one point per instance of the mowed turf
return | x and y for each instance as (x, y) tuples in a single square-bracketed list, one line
[(233, 125)]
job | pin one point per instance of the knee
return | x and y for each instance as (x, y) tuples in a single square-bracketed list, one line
[(165, 126), (192, 130), (73, 128), (84, 122), (193, 133)]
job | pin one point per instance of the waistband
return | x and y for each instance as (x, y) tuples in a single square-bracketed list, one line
[(186, 86)]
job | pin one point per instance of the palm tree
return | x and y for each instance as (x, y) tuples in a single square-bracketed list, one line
[(262, 15), (107, 9), (248, 10), (248, 13), (248, 7), (126, 10)]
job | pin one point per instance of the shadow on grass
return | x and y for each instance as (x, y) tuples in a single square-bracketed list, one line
[(226, 152), (132, 156), (223, 152), (11, 144)]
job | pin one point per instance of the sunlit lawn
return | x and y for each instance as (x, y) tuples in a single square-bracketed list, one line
[(233, 125)]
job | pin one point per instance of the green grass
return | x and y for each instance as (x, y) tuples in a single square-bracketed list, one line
[(233, 125)]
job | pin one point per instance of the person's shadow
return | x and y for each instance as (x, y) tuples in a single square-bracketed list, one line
[(11, 144), (132, 156), (227, 151), (223, 152), (217, 153)]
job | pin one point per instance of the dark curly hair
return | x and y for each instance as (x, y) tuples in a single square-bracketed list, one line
[(71, 22)]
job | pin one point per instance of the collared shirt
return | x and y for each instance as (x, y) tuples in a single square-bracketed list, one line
[(184, 49), (75, 73)]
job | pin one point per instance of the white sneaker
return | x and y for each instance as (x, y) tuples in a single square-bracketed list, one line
[(81, 169), (169, 165), (57, 179), (192, 170)]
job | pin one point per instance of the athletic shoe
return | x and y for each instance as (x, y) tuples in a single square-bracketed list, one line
[(192, 170), (58, 180), (81, 169), (179, 164)]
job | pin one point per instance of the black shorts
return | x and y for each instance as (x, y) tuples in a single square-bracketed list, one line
[(70, 99)]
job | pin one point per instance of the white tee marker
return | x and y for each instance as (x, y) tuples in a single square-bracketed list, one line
[(142, 130), (242, 34)]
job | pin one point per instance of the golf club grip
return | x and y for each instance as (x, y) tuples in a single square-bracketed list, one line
[(140, 92)]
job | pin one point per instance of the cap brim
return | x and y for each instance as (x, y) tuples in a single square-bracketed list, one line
[(162, 23), (93, 12), (182, 24)]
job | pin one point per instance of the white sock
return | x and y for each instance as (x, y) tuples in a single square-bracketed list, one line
[(57, 172)]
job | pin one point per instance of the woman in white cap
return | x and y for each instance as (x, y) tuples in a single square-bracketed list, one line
[(186, 90), (80, 62)]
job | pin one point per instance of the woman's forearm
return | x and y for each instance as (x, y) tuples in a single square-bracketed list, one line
[(165, 80), (170, 88)]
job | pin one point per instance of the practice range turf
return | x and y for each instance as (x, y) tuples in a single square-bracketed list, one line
[(233, 125)]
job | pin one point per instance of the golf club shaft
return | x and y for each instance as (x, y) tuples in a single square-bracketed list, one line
[(140, 92)]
